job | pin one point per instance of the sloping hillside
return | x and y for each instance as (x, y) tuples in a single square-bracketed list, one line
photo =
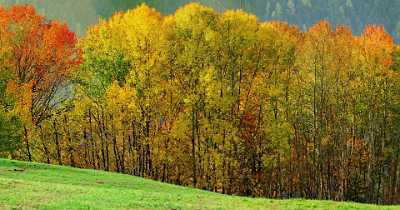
[(38, 186)]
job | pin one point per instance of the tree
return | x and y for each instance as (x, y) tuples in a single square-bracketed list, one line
[(220, 101), (10, 134), (41, 56)]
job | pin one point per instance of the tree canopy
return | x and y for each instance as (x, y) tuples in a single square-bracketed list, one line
[(216, 100)]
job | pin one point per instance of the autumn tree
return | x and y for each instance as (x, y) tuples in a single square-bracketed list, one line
[(218, 101), (40, 56)]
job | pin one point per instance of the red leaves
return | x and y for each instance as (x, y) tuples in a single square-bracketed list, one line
[(322, 28), (42, 53), (3, 16), (60, 45), (377, 34), (23, 12), (39, 47), (378, 44)]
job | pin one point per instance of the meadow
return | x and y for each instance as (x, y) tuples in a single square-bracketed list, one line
[(26, 185)]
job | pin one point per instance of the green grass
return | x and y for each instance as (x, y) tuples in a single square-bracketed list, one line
[(38, 186)]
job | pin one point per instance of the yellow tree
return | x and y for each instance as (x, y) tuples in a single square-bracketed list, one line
[(188, 34), (376, 50)]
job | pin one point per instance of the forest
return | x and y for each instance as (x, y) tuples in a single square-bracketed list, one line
[(221, 101), (303, 13)]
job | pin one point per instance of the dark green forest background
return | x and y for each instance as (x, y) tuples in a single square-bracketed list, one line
[(304, 13)]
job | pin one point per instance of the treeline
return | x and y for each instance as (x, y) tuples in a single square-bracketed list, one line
[(304, 13), (221, 102)]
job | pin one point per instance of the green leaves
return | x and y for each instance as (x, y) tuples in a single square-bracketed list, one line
[(10, 133)]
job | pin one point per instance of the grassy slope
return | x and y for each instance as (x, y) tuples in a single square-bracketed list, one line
[(40, 186)]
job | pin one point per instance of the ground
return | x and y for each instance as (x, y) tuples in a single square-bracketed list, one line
[(39, 186)]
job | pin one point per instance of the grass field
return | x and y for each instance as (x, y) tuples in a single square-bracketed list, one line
[(38, 186)]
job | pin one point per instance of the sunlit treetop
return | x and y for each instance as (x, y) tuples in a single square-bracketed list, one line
[(41, 56)]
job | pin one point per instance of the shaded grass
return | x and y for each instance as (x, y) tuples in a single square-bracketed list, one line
[(38, 186)]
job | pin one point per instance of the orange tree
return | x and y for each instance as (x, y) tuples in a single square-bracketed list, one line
[(37, 57)]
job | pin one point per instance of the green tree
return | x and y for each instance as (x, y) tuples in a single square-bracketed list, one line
[(10, 135)]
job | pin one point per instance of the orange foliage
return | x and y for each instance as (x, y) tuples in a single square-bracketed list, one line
[(41, 54), (378, 44)]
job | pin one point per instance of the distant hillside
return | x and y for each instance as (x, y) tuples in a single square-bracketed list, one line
[(38, 186), (355, 13)]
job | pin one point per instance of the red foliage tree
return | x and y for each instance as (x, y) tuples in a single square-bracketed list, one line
[(41, 56)]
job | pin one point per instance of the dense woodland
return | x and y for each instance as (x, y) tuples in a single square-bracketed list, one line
[(217, 101), (303, 13)]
